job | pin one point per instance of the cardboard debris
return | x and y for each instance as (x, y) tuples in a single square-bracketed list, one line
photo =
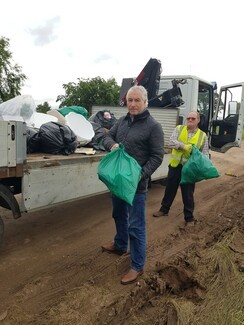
[(86, 151)]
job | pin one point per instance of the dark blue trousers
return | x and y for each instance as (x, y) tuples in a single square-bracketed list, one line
[(187, 192)]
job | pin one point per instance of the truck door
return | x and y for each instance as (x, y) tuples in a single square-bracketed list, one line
[(227, 125)]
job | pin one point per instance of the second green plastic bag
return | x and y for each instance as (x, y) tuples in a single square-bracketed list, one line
[(197, 168), (120, 173)]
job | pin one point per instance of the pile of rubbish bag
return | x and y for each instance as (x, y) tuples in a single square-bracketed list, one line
[(59, 131)]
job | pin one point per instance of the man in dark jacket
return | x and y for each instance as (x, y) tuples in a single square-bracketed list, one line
[(143, 139)]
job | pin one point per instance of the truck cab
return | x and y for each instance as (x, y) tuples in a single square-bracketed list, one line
[(221, 114), (227, 124)]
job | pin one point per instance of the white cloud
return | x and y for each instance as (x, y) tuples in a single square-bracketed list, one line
[(45, 33)]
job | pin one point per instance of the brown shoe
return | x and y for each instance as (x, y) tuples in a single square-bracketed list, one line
[(191, 222), (131, 276), (109, 248), (160, 214)]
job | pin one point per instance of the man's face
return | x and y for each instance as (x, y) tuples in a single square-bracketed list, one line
[(135, 102), (192, 120)]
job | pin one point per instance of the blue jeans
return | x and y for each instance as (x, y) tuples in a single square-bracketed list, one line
[(130, 222)]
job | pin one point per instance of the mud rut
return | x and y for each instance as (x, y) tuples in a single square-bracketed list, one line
[(58, 283)]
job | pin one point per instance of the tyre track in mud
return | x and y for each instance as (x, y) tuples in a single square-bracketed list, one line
[(46, 288)]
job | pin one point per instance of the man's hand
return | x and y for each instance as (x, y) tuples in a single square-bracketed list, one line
[(116, 145), (187, 149)]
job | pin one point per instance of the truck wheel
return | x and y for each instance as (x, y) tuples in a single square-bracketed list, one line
[(1, 230)]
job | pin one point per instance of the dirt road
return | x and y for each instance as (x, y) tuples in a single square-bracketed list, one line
[(52, 270)]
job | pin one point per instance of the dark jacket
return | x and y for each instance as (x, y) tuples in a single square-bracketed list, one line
[(143, 139)]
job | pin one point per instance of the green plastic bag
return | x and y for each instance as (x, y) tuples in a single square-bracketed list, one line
[(197, 168), (120, 173), (75, 109)]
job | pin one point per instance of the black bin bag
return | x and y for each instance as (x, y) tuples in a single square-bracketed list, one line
[(33, 141), (57, 139)]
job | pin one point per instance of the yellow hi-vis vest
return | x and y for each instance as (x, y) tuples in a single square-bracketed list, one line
[(198, 139)]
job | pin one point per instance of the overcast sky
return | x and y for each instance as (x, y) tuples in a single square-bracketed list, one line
[(57, 41)]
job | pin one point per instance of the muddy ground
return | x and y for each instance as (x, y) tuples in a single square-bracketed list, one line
[(52, 269)]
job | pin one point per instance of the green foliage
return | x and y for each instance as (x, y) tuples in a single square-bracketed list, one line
[(11, 76), (89, 92), (203, 102), (43, 108)]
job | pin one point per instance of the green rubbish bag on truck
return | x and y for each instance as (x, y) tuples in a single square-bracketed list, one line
[(197, 168), (120, 173)]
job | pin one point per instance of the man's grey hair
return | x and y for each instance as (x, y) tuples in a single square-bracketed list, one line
[(142, 90), (198, 114)]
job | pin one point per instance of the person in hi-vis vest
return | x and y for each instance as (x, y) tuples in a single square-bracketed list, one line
[(181, 141)]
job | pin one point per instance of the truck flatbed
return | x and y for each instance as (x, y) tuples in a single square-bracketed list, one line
[(39, 160)]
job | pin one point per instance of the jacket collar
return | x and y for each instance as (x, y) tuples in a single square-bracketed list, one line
[(141, 116)]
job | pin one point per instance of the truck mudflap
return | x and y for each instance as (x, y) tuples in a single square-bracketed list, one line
[(8, 201)]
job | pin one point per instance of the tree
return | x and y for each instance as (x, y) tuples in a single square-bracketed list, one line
[(89, 92), (43, 108), (11, 76)]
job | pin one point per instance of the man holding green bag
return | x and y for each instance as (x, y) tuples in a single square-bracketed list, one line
[(181, 141), (143, 139)]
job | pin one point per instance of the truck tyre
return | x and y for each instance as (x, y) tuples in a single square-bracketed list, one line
[(1, 230)]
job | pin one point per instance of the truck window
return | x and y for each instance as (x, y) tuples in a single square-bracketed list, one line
[(205, 102), (226, 130), (229, 102)]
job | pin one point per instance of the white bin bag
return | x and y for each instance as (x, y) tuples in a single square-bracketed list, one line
[(37, 119), (18, 108), (60, 117)]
